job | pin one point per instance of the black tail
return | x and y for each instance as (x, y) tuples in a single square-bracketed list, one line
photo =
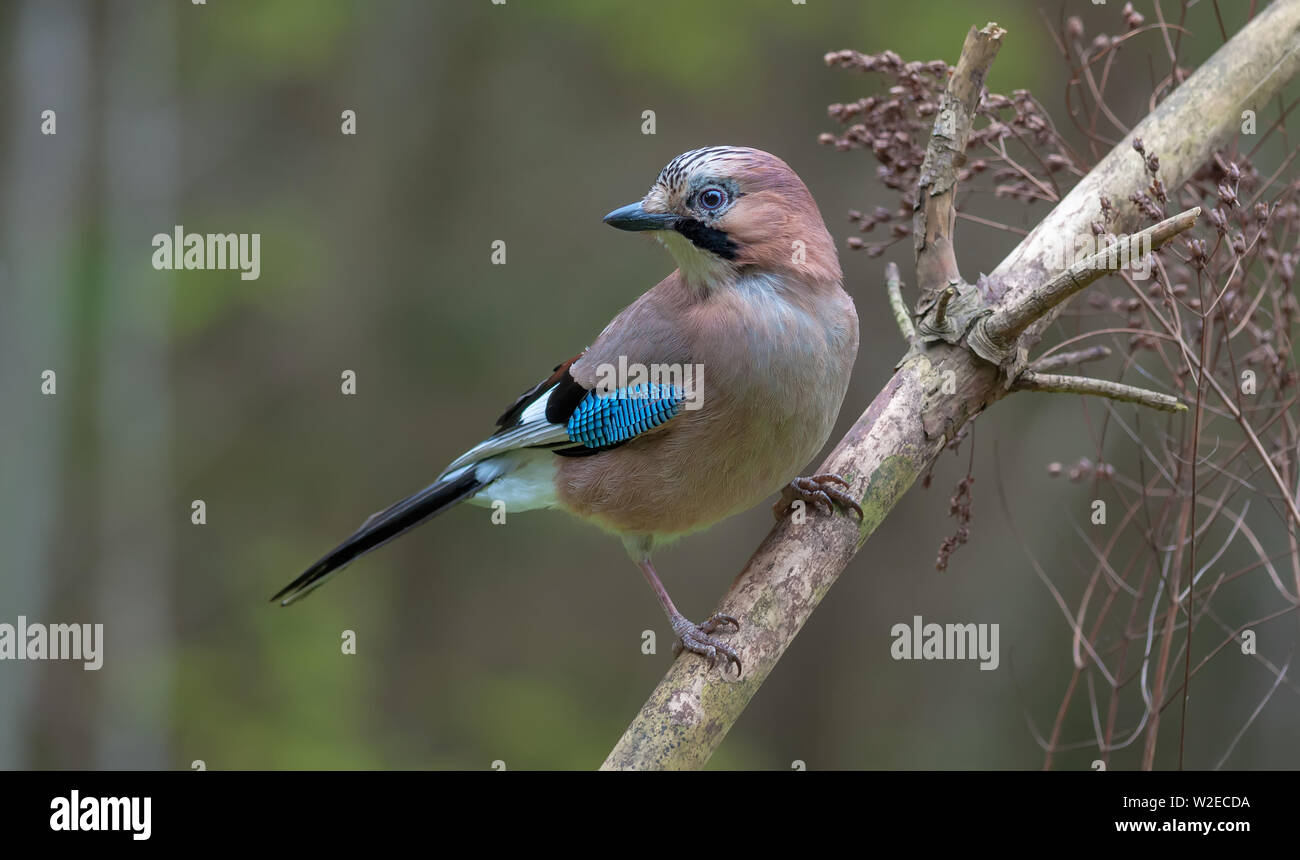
[(380, 529)]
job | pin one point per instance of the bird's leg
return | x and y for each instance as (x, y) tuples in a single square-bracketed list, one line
[(825, 491), (697, 638)]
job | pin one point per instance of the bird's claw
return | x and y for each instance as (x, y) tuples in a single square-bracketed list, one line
[(825, 491), (699, 639)]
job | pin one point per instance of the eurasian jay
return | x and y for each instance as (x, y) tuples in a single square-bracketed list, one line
[(756, 307)]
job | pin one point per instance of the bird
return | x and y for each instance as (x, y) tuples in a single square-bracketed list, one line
[(699, 400)]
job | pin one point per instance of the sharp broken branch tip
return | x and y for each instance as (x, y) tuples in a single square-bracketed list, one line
[(941, 308)]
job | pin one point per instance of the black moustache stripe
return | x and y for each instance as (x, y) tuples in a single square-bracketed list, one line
[(707, 238)]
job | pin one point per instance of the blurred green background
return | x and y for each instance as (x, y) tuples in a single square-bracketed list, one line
[(475, 643)]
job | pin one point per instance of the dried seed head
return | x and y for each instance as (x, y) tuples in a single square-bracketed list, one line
[(1132, 18)]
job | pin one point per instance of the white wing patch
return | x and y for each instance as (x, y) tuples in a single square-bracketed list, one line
[(532, 430)]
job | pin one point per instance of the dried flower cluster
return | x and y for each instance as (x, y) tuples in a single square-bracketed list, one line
[(1020, 151), (959, 506)]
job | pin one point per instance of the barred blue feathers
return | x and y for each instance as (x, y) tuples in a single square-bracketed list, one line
[(608, 419)]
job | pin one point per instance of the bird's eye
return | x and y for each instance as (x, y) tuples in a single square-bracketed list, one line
[(712, 199)]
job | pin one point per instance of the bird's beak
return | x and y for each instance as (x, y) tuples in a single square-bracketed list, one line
[(635, 217)]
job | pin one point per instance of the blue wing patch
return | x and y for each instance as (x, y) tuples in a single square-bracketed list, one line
[(608, 419)]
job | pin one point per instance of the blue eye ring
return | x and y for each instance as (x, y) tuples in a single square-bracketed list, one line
[(712, 199)]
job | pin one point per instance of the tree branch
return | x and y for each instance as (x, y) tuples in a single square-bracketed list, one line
[(994, 338), (1068, 359), (935, 213), (1053, 383), (902, 316), (911, 420)]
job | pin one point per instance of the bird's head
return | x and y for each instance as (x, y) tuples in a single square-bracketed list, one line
[(727, 211)]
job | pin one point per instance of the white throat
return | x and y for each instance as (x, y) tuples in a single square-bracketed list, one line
[(701, 269)]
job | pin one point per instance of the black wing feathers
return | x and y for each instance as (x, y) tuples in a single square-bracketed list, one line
[(511, 416), (381, 528)]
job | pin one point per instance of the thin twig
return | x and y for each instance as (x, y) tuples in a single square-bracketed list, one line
[(1070, 359), (1055, 383), (1258, 708), (902, 316)]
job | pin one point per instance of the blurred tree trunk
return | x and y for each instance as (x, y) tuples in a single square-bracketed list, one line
[(50, 55), (138, 510)]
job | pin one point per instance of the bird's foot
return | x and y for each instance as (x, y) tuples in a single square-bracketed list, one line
[(699, 639), (825, 491)]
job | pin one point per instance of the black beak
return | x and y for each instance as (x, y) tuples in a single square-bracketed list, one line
[(634, 217)]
